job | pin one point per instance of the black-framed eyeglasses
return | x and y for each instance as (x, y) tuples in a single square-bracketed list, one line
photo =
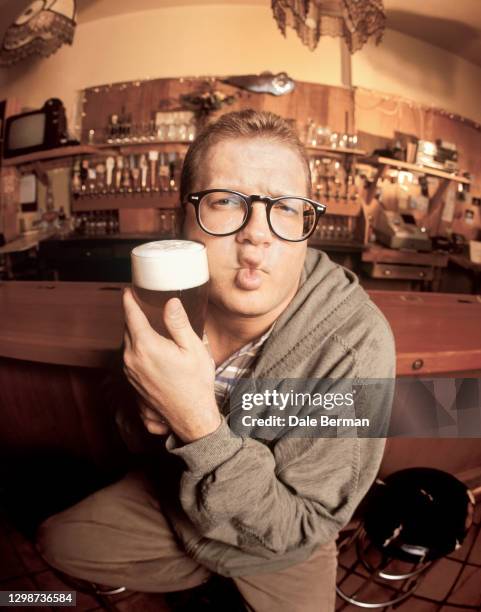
[(222, 212)]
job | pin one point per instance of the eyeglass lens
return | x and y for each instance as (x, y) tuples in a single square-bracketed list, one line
[(222, 212)]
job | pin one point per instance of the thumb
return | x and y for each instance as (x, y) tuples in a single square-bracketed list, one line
[(177, 323)]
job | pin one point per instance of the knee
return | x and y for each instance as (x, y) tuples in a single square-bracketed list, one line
[(56, 542)]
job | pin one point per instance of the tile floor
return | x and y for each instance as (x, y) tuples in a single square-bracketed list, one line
[(21, 568), (447, 578)]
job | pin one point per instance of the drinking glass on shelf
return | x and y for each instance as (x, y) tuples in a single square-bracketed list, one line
[(344, 141), (152, 130), (310, 137), (353, 140), (191, 131), (323, 134), (182, 131), (334, 140), (171, 130), (162, 132)]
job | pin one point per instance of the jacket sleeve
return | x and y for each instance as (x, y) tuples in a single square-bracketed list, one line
[(233, 491), (266, 502)]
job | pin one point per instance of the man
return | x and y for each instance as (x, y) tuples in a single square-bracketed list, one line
[(265, 514)]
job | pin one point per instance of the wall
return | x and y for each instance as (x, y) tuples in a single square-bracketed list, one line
[(235, 39), (408, 67), (175, 41)]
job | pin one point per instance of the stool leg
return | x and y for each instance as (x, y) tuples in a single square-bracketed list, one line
[(348, 541), (400, 591), (412, 583), (352, 598)]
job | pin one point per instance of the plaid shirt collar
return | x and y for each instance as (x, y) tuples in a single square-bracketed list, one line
[(238, 365)]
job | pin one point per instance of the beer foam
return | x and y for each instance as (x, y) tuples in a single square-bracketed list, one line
[(169, 265)]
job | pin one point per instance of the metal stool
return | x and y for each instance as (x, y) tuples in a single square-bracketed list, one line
[(413, 518)]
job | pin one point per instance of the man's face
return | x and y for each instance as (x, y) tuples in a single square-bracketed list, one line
[(253, 272)]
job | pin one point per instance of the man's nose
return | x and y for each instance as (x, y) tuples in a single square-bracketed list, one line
[(257, 231)]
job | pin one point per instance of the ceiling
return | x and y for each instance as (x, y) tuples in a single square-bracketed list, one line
[(454, 25)]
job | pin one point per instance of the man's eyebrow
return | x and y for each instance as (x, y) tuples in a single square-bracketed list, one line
[(271, 193)]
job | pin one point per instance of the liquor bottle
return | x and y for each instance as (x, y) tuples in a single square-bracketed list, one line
[(163, 174), (110, 228), (84, 175), (123, 121), (113, 128), (172, 172), (163, 227), (76, 182)]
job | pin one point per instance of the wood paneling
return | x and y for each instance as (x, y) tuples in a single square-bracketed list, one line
[(58, 438), (139, 220), (440, 329), (81, 324), (47, 407), (324, 104), (375, 116), (383, 117), (65, 323), (461, 457)]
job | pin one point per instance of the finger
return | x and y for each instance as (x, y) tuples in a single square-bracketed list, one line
[(151, 414), (156, 428), (178, 324), (135, 319), (127, 340)]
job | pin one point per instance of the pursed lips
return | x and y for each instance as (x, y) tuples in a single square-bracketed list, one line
[(248, 274), (251, 263)]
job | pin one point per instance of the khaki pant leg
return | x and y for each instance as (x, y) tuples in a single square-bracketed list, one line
[(118, 536), (306, 587)]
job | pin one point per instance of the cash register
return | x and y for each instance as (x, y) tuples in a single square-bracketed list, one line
[(400, 231)]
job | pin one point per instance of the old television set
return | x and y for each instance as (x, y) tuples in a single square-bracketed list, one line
[(36, 130)]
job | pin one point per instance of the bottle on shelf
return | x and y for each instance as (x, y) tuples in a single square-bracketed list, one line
[(164, 173), (173, 182)]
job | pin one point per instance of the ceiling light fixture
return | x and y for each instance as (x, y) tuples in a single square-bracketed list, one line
[(354, 20), (40, 29)]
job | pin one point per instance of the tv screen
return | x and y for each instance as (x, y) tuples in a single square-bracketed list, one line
[(27, 131), (409, 219)]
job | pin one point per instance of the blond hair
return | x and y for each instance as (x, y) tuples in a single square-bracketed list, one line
[(247, 123)]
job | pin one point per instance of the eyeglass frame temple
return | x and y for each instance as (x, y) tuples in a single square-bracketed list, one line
[(269, 202)]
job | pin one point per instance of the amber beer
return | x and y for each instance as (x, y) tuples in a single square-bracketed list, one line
[(171, 268)]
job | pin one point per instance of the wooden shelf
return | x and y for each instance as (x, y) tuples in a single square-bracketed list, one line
[(343, 208), (144, 143), (339, 150), (58, 153), (378, 254), (117, 201), (346, 246), (25, 242), (138, 148), (402, 165), (463, 261)]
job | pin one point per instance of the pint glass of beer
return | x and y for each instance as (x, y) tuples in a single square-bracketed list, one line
[(171, 268)]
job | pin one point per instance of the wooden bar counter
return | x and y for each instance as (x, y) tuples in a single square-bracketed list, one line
[(81, 324), (58, 339)]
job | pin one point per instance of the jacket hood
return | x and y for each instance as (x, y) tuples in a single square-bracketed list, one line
[(328, 294)]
